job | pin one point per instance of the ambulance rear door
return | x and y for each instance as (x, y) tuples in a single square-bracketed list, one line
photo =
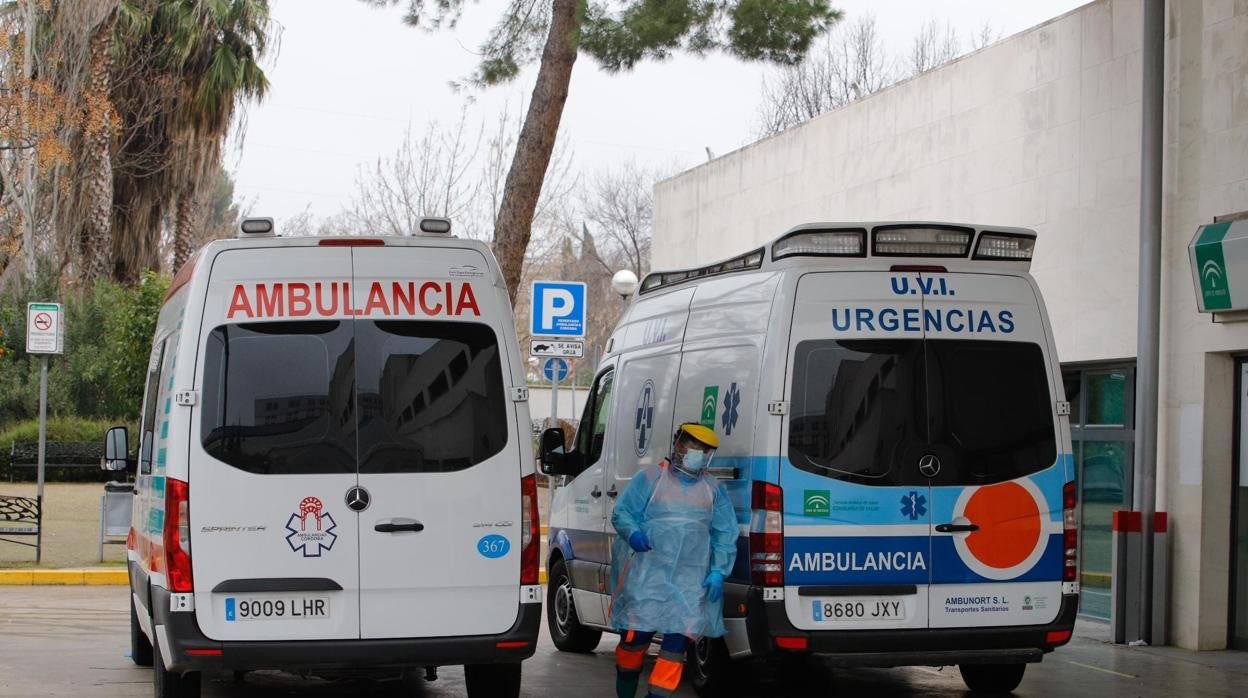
[(439, 447), (857, 514), (274, 547), (995, 472)]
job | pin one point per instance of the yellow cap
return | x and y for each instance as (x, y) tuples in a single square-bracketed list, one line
[(699, 433)]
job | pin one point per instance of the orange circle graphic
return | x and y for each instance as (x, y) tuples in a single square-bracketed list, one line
[(1009, 524)]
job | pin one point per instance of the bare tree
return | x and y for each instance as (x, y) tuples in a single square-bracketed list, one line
[(427, 176), (846, 65), (560, 182), (618, 208), (986, 35), (935, 45)]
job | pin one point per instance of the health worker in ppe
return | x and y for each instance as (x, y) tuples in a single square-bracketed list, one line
[(676, 542)]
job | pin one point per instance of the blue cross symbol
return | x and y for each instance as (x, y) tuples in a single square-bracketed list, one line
[(732, 400), (913, 505), (645, 418)]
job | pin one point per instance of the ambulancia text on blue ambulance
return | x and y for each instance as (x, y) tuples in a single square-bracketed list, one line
[(893, 433)]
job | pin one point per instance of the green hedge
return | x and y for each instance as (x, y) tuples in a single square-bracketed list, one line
[(108, 336), (60, 429)]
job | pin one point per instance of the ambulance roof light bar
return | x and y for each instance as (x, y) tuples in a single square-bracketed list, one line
[(844, 242), (256, 228), (435, 226), (1013, 247), (662, 279), (923, 240)]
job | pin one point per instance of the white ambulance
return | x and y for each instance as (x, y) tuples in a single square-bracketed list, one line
[(893, 433), (335, 469)]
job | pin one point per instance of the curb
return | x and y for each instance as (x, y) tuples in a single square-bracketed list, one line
[(70, 577), (90, 577)]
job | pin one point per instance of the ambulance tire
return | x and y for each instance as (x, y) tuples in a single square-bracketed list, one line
[(565, 626), (140, 646), (992, 678), (492, 680), (172, 685), (711, 672)]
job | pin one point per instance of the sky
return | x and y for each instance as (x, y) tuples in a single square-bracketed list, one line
[(348, 80)]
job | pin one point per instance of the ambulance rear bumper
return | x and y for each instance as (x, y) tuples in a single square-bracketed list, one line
[(766, 621), (190, 650)]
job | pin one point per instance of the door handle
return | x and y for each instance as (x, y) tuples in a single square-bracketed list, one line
[(595, 493), (956, 528), (390, 527), (612, 492)]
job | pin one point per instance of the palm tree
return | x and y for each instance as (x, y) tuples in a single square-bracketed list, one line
[(193, 64), (216, 47), (95, 241)]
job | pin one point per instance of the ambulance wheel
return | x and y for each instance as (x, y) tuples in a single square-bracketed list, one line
[(992, 678), (566, 630), (492, 680), (711, 671), (172, 685), (140, 646)]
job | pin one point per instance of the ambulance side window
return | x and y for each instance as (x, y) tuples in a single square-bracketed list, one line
[(592, 431), (148, 429)]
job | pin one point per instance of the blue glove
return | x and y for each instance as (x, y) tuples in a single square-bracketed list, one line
[(639, 542), (714, 585)]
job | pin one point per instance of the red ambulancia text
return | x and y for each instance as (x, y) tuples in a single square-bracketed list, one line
[(332, 298)]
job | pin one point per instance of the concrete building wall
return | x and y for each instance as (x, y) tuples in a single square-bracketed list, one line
[(1042, 130)]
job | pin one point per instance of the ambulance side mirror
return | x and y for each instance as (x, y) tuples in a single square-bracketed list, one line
[(551, 452), (116, 450)]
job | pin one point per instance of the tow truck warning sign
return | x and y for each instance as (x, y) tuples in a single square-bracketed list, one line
[(333, 298)]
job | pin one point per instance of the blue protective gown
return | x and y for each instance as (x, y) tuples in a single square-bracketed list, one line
[(692, 530)]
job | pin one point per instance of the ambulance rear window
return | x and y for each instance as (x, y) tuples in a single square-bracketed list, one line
[(432, 396), (326, 396), (279, 397), (867, 411)]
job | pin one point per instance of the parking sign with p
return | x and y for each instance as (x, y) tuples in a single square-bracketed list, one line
[(558, 309)]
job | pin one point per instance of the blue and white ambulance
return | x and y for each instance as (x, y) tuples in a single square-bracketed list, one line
[(893, 433)]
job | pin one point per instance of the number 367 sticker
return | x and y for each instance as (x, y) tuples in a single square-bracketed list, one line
[(493, 545)]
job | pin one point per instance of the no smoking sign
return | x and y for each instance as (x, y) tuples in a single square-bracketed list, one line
[(45, 331)]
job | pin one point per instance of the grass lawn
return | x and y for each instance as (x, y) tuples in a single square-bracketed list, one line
[(71, 530)]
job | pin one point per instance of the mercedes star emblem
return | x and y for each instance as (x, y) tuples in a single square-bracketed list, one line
[(358, 499), (929, 465)]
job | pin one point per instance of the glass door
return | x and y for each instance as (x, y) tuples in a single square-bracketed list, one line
[(1239, 516), (1102, 409)]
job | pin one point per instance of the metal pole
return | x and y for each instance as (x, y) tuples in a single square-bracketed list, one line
[(43, 440), (554, 396), (1150, 297)]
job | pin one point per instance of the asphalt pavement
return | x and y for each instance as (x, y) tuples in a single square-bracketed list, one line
[(73, 641)]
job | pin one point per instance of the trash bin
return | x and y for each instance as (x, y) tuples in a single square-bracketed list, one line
[(115, 513)]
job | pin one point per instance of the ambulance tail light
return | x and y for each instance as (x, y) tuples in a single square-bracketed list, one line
[(1070, 533), (921, 241), (821, 243), (1005, 246), (530, 540), (767, 535), (177, 536)]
